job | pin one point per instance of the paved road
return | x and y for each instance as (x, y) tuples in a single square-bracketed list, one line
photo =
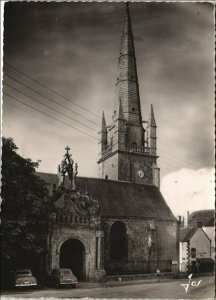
[(153, 290)]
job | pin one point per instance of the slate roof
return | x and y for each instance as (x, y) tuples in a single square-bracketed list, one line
[(182, 232), (206, 217), (188, 235), (122, 199)]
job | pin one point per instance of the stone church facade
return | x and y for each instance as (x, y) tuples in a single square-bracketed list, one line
[(120, 222)]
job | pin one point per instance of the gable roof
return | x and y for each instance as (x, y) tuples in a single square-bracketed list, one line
[(190, 234), (206, 217), (122, 199)]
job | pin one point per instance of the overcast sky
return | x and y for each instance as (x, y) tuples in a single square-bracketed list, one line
[(73, 48)]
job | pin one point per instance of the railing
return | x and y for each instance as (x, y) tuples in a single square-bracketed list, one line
[(136, 149), (129, 148)]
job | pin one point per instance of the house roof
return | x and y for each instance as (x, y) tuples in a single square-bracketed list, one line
[(188, 235), (206, 217), (182, 232), (122, 199)]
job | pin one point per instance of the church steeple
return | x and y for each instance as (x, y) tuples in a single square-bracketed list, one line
[(127, 88), (125, 154)]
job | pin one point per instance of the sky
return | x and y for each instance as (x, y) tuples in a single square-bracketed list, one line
[(73, 48)]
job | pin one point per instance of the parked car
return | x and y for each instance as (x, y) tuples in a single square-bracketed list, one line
[(24, 278), (60, 277)]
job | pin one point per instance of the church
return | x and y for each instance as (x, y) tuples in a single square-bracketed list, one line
[(118, 223)]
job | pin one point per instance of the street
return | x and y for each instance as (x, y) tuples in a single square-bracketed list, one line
[(140, 289)]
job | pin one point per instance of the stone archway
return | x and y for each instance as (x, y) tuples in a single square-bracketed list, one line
[(72, 256)]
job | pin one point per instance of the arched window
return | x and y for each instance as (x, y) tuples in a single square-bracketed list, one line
[(118, 241)]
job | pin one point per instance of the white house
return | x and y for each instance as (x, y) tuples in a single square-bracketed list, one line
[(196, 251)]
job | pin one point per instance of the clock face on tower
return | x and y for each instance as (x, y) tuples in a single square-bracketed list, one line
[(140, 174)]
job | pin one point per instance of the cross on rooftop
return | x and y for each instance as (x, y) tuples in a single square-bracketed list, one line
[(67, 149)]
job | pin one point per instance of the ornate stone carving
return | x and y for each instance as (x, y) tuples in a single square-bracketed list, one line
[(81, 204), (69, 199)]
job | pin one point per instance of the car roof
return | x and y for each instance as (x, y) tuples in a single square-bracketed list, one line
[(61, 269), (23, 270)]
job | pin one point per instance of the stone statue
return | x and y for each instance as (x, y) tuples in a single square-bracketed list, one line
[(66, 168)]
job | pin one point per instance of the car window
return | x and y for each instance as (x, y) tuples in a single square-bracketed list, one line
[(65, 272), (23, 273)]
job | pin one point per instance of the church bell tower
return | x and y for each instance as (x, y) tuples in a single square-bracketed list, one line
[(127, 150)]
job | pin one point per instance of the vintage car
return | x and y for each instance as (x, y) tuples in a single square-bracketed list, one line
[(62, 277), (24, 278)]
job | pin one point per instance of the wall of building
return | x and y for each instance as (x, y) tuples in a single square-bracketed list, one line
[(109, 167), (201, 243), (150, 244), (131, 163), (183, 257), (210, 231)]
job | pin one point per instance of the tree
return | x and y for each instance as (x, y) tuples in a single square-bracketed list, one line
[(23, 210)]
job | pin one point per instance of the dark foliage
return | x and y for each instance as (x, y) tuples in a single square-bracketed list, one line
[(23, 209)]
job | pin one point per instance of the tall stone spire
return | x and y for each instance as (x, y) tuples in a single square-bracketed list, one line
[(127, 88), (151, 132)]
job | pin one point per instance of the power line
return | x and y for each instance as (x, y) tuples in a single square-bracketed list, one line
[(165, 167), (177, 163), (52, 117), (17, 90), (48, 98), (171, 163), (53, 91), (35, 115), (177, 157)]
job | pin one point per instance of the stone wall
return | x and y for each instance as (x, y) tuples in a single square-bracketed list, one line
[(123, 166), (130, 163), (150, 244), (92, 242), (109, 167)]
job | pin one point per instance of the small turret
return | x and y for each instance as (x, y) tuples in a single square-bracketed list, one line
[(151, 133), (103, 135), (119, 128)]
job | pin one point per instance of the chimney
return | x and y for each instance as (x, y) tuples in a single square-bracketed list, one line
[(187, 219)]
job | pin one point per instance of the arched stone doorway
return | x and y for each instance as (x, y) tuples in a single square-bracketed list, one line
[(72, 256)]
